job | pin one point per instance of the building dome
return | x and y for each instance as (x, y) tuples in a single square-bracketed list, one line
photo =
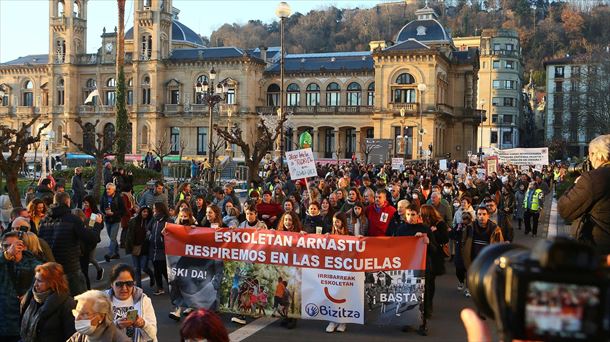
[(425, 28), (180, 34)]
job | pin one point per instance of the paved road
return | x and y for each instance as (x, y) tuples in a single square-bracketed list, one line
[(445, 324)]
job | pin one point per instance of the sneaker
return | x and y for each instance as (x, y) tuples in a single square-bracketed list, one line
[(151, 281), (331, 327), (175, 315), (239, 320), (460, 286), (341, 327), (187, 312), (107, 257), (159, 291), (467, 293), (100, 274)]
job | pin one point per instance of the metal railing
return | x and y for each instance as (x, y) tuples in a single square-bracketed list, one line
[(318, 110)]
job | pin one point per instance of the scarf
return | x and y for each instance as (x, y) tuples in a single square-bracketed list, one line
[(40, 297)]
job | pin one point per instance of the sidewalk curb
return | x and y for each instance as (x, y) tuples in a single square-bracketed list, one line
[(552, 230)]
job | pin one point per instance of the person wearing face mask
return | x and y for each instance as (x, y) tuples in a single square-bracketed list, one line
[(136, 245), (93, 321), (46, 312), (519, 210), (126, 298)]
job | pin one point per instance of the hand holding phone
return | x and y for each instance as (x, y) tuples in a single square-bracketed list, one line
[(132, 315)]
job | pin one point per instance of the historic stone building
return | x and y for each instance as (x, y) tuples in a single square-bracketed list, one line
[(421, 83)]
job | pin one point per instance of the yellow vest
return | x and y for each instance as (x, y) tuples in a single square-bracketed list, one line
[(535, 204)]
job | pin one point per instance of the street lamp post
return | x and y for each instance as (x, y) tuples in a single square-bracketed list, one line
[(282, 11), (229, 149), (482, 101), (403, 136), (421, 88), (211, 96)]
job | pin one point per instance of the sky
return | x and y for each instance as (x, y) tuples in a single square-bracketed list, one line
[(24, 23)]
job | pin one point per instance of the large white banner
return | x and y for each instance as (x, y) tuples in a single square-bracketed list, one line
[(301, 164), (524, 156), (332, 295)]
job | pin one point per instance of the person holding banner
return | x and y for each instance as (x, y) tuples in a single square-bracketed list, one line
[(339, 228), (252, 220), (213, 218), (413, 226), (379, 214), (290, 222), (313, 218), (357, 223)]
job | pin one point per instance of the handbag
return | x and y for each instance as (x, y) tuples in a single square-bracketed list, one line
[(136, 250)]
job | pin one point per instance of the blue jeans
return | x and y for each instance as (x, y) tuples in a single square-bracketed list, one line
[(140, 263), (113, 231)]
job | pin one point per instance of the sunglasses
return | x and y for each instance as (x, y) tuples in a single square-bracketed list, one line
[(120, 284)]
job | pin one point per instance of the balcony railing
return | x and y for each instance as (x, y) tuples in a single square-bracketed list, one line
[(6, 110), (87, 59), (173, 109), (318, 110), (95, 109), (25, 110), (58, 21), (501, 53), (409, 107)]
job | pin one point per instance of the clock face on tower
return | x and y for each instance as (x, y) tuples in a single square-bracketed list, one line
[(109, 47)]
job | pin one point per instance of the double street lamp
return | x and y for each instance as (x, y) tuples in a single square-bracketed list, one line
[(210, 95), (282, 11), (421, 88)]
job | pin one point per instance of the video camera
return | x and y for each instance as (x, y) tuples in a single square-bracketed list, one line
[(583, 167), (558, 291)]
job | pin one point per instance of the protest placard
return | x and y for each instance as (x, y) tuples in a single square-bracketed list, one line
[(524, 156), (461, 169), (397, 164), (325, 276), (301, 163), (442, 164)]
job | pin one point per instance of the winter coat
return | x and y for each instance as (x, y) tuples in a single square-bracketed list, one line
[(270, 209), (311, 222), (457, 218), (143, 304), (136, 235), (64, 232), (150, 197), (43, 191), (519, 210), (362, 221), (590, 195), (51, 321), (258, 225), (156, 241), (15, 280), (379, 218), (435, 264), (116, 205), (477, 238), (108, 333), (78, 187), (230, 221)]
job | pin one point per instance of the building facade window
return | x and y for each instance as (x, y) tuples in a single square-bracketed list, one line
[(130, 91), (333, 94), (558, 72), (405, 79), (110, 93), (493, 137), (370, 95), (230, 97), (559, 86), (507, 137), (202, 140), (28, 94), (507, 119), (273, 95), (510, 65), (494, 118), (354, 94), (174, 96), (90, 86), (329, 143), (312, 95), (510, 47), (146, 91), (146, 50), (60, 92), (405, 94), (509, 102), (174, 140), (144, 134), (89, 137), (109, 134), (370, 133), (293, 95), (496, 64), (350, 142)]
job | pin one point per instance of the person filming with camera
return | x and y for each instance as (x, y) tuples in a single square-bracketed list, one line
[(587, 202)]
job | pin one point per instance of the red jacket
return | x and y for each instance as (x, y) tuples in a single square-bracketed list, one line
[(379, 218), (271, 209)]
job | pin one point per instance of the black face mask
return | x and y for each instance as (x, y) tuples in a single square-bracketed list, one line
[(184, 221)]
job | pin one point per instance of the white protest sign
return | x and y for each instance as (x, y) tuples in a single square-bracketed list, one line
[(442, 164), (524, 156), (301, 164), (397, 164), (481, 173), (461, 169)]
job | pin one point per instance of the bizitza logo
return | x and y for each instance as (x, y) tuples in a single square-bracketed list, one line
[(312, 310)]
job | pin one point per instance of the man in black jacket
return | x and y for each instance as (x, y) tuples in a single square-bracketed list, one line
[(588, 200), (64, 232), (113, 207), (78, 188)]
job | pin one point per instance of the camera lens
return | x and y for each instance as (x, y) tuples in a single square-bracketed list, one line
[(482, 279)]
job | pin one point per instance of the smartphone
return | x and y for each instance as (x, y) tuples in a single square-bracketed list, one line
[(132, 315), (92, 220)]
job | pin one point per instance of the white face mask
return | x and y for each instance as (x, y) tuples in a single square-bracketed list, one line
[(84, 326)]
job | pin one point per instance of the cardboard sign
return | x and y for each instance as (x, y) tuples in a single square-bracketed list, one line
[(397, 164), (461, 169), (442, 164), (301, 164), (524, 156)]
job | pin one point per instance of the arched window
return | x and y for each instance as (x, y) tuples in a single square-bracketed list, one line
[(60, 92), (273, 95), (370, 94), (354, 94), (333, 94), (293, 94), (77, 9), (146, 51), (90, 86), (405, 79), (146, 90), (110, 94), (4, 94), (312, 95), (405, 94), (89, 137), (109, 134), (28, 94), (60, 49), (91, 83), (60, 8), (201, 80)]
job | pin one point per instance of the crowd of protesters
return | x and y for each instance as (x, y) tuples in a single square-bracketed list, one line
[(56, 234)]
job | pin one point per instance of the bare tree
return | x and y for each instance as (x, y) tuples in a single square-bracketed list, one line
[(17, 143), (162, 149), (595, 86), (264, 138), (99, 151)]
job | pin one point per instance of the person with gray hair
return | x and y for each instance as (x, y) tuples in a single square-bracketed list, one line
[(587, 202), (93, 319), (114, 208)]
